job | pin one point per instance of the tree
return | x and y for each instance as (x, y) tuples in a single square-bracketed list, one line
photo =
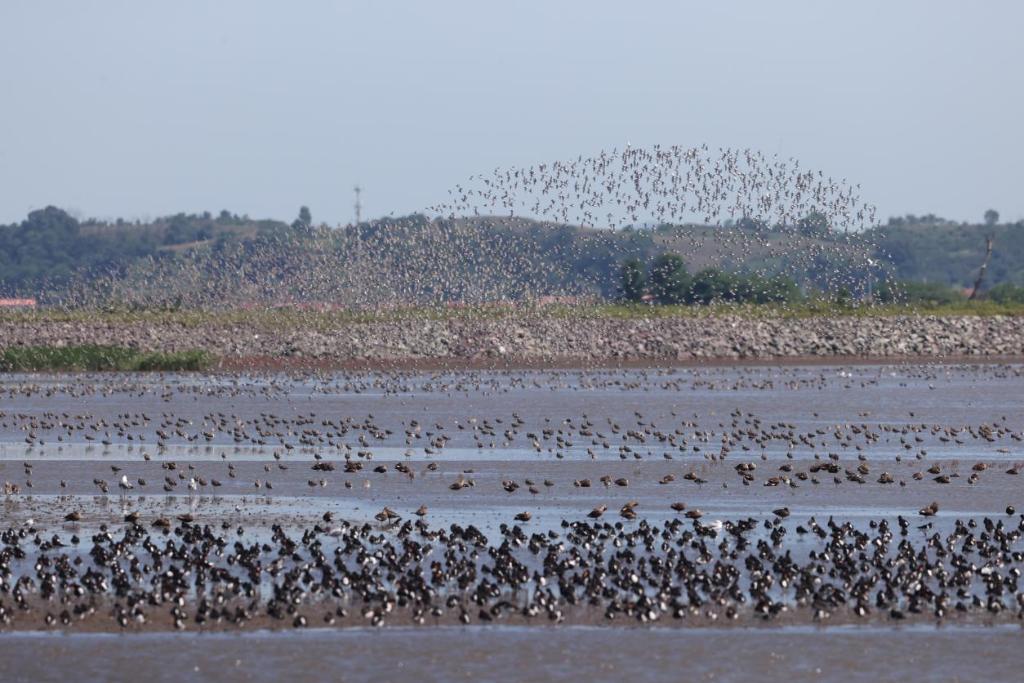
[(711, 285), (910, 292), (305, 219), (670, 283), (814, 224), (991, 217), (751, 224), (761, 290), (632, 280), (984, 269), (1007, 293)]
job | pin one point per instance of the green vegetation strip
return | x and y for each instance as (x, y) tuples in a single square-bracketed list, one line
[(99, 359), (288, 319)]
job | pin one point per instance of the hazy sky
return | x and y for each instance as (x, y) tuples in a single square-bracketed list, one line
[(140, 109)]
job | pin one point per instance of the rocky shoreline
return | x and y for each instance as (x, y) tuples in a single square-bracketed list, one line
[(539, 339)]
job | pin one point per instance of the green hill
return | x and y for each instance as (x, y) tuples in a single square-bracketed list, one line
[(938, 251), (202, 260)]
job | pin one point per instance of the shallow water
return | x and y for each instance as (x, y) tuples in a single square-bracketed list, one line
[(541, 653)]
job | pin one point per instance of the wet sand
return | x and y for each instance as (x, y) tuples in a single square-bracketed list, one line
[(262, 364), (807, 398)]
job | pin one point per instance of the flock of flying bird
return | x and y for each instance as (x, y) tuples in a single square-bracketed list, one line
[(663, 185), (770, 198), (497, 238)]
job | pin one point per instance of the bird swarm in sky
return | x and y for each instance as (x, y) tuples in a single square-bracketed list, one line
[(497, 238)]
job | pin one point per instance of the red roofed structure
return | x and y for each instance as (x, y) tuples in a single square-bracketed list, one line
[(18, 303)]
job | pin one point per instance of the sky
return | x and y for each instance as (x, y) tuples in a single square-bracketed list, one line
[(141, 109)]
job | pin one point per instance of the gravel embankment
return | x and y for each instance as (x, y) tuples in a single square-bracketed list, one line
[(538, 339)]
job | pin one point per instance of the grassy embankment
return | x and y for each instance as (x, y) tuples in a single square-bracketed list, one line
[(813, 309), (99, 358), (292, 319)]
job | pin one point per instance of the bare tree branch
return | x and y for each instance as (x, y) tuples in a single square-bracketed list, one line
[(984, 267)]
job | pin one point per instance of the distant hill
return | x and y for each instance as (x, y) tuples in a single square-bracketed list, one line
[(934, 250), (201, 259), (50, 248)]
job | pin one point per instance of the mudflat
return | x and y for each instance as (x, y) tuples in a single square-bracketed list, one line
[(564, 509)]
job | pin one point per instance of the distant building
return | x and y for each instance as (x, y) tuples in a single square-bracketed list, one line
[(18, 303)]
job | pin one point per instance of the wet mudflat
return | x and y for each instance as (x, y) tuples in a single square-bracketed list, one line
[(64, 439), (585, 523), (567, 653)]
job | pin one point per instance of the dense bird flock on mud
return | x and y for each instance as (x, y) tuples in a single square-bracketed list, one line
[(176, 516)]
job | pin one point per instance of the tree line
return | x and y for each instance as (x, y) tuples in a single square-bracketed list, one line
[(928, 259), (667, 282)]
